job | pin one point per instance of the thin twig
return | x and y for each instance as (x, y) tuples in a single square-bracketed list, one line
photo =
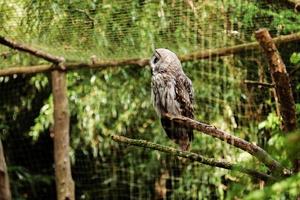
[(87, 14), (293, 72), (191, 156), (5, 55), (257, 83), (213, 131)]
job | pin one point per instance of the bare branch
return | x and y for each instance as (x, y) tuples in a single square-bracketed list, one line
[(73, 66), (87, 14), (254, 150), (293, 72), (35, 52), (294, 3), (141, 62), (257, 83), (192, 156), (212, 53), (25, 70), (7, 54)]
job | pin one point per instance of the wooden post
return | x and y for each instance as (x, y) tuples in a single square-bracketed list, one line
[(4, 180), (280, 79), (64, 182)]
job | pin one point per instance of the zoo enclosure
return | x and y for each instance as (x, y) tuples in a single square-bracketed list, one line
[(57, 66), (64, 182)]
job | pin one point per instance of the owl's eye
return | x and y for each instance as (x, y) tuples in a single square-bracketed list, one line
[(155, 60)]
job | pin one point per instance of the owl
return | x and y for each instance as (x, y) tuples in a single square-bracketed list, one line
[(172, 92)]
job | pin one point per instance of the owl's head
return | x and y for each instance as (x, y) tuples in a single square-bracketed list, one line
[(164, 60)]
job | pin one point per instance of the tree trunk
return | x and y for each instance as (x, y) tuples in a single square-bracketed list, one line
[(280, 79), (4, 180), (64, 182)]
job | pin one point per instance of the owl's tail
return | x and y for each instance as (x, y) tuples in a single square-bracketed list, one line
[(184, 144), (180, 134)]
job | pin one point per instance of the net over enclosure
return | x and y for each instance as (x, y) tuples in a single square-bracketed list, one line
[(104, 47)]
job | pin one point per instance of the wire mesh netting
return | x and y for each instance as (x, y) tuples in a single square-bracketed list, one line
[(125, 29), (117, 100)]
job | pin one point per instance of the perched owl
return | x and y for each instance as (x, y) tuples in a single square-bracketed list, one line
[(172, 92)]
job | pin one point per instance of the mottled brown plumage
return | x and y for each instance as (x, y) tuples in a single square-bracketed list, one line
[(172, 92)]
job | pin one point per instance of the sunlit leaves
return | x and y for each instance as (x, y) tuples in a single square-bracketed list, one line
[(272, 122), (43, 122), (295, 58), (285, 189)]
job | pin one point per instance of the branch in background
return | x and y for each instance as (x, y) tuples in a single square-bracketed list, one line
[(28, 49), (254, 150), (25, 70), (5, 55), (236, 49), (287, 4), (294, 71), (141, 62), (87, 14), (294, 3), (192, 156), (256, 83), (73, 66)]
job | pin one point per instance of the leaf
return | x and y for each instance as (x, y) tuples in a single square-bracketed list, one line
[(295, 58)]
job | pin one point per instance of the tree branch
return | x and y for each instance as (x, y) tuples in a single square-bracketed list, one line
[(5, 55), (212, 53), (256, 83), (73, 66), (25, 70), (254, 150), (294, 4), (191, 156), (141, 62), (35, 52)]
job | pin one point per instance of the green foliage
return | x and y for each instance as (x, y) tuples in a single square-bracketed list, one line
[(285, 189), (272, 122), (43, 121), (295, 58), (23, 180)]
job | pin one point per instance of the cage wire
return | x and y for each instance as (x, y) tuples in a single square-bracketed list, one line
[(118, 100)]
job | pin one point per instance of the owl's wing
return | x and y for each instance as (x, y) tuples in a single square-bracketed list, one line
[(184, 98), (185, 95)]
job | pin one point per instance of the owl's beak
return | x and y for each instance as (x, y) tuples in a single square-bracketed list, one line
[(151, 63), (157, 53)]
